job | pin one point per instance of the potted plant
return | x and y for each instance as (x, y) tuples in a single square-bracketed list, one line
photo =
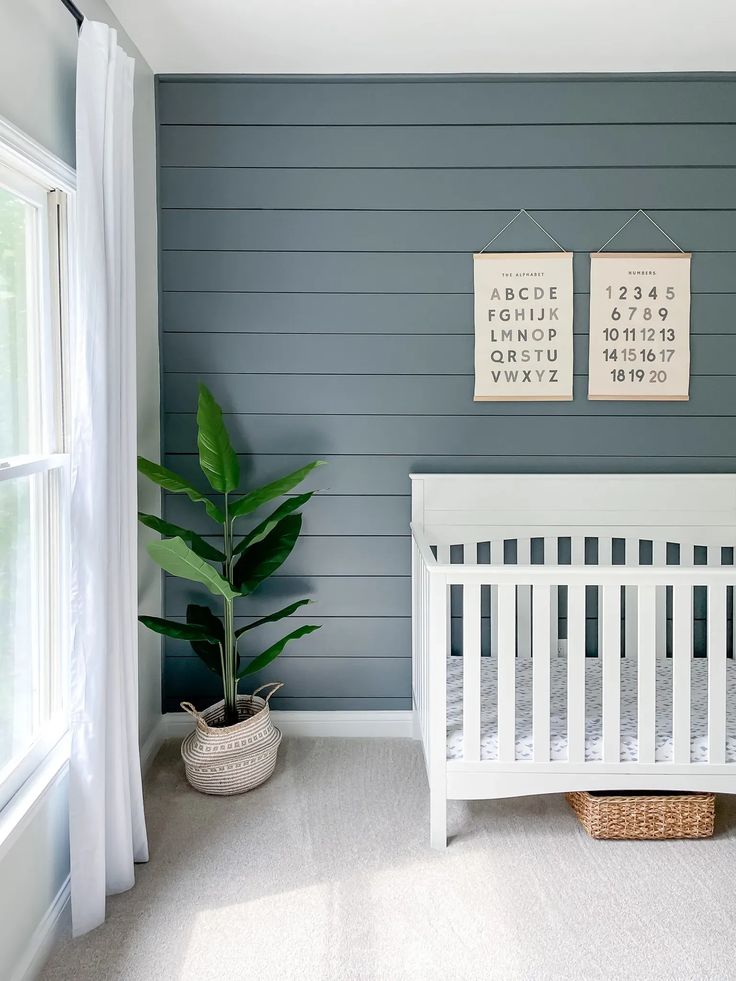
[(233, 747)]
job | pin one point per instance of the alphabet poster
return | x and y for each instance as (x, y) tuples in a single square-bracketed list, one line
[(639, 326), (523, 326)]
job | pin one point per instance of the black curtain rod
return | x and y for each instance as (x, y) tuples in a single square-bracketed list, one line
[(75, 12)]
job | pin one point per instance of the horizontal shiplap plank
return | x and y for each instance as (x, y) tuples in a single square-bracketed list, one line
[(447, 189), (622, 145), (317, 435), (346, 555), (293, 703), (437, 231), (332, 596), (323, 515), (307, 677), (360, 354), (451, 395), (367, 474), (377, 637), (375, 313), (412, 101), (377, 272)]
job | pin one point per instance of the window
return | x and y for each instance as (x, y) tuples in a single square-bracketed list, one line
[(33, 469)]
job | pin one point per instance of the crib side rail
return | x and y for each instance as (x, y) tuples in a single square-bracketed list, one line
[(431, 625), (588, 575), (644, 582)]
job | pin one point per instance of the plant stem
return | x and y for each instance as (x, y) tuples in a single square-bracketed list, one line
[(231, 684), (229, 678)]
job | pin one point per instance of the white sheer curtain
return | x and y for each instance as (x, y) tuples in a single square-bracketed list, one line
[(108, 831)]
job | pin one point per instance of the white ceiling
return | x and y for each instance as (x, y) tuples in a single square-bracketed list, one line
[(406, 36)]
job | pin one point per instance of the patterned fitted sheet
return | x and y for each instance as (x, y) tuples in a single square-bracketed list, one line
[(593, 724)]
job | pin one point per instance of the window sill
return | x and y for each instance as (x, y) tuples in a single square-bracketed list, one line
[(20, 808)]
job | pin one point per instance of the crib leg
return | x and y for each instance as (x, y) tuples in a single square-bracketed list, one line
[(438, 820)]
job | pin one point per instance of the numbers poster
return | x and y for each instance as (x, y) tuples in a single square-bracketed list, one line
[(523, 326), (639, 326)]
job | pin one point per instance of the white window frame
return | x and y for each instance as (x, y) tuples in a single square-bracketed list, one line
[(29, 169)]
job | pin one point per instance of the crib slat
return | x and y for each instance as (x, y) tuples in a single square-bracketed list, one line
[(551, 558), (577, 553), (439, 614), (716, 674), (496, 559), (659, 558), (524, 601), (471, 672), (424, 676), (444, 558), (610, 622), (576, 674), (506, 673), (577, 550), (682, 652), (415, 652), (541, 602), (605, 551), (647, 672), (605, 557), (420, 641), (630, 623)]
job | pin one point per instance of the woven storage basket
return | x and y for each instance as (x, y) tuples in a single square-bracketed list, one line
[(644, 816), (232, 759)]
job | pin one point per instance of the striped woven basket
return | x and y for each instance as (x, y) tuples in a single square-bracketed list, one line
[(232, 759)]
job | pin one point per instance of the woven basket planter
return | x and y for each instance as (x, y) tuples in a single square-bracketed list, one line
[(232, 759), (644, 816)]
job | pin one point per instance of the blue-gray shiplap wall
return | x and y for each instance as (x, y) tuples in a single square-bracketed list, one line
[(316, 244)]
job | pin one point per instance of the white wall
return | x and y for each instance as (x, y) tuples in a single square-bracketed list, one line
[(38, 41)]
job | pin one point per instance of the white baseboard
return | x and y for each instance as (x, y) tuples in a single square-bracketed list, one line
[(55, 924), (153, 743), (386, 723)]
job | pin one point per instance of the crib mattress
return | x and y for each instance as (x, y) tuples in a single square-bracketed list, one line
[(593, 722)]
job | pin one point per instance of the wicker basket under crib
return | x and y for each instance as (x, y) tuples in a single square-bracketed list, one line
[(644, 816), (231, 759)]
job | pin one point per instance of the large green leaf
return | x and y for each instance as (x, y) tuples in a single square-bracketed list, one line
[(255, 499), (217, 458), (203, 617), (266, 526), (260, 662), (172, 482), (175, 556), (180, 631), (260, 560), (193, 540), (279, 615)]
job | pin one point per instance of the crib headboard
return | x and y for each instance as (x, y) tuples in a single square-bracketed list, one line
[(696, 509)]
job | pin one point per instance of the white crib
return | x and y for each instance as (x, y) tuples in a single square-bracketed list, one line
[(637, 571)]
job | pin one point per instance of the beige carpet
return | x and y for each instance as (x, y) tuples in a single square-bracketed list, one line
[(325, 873)]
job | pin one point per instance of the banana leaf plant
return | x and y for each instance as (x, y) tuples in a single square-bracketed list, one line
[(231, 569)]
